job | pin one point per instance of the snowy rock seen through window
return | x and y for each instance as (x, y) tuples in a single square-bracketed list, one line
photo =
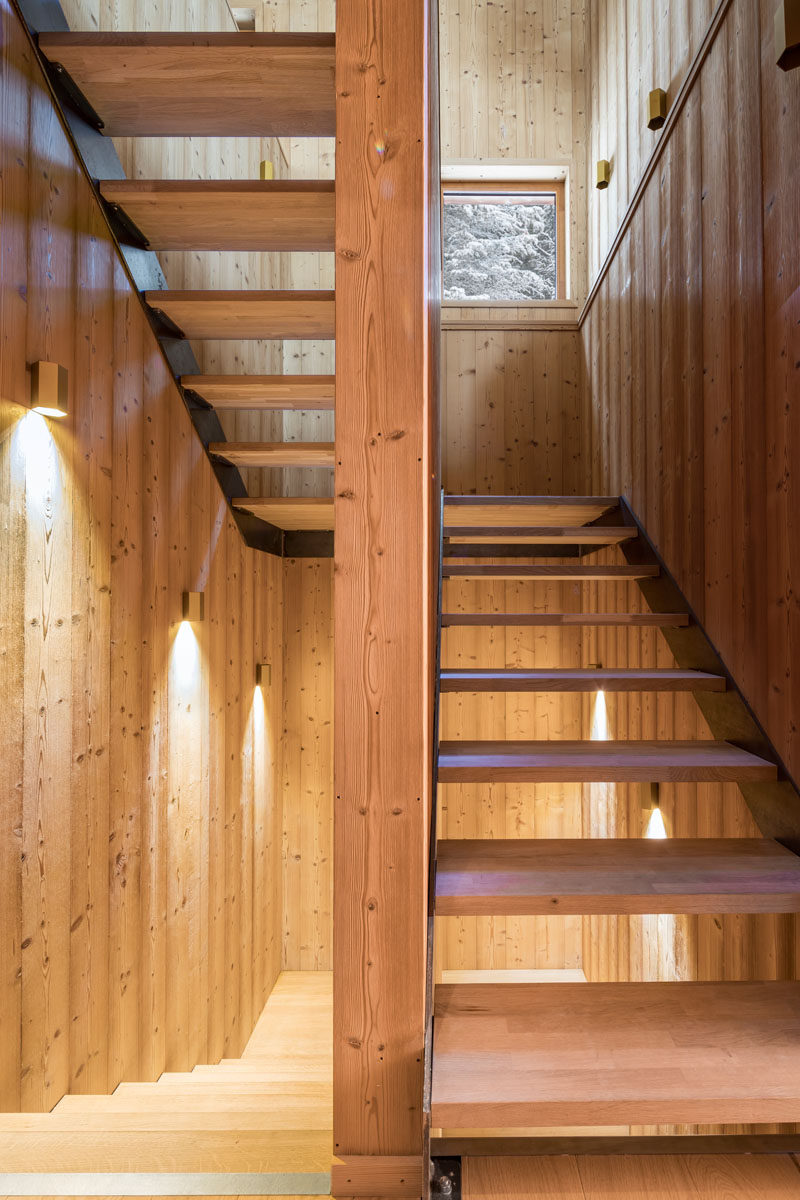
[(499, 246)]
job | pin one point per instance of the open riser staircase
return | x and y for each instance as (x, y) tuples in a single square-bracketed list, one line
[(513, 1066), (258, 85)]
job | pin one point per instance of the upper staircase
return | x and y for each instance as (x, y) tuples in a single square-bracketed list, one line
[(245, 84), (537, 1056)]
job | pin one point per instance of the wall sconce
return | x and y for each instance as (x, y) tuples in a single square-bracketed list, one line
[(193, 606), (263, 674), (267, 170), (603, 174), (49, 389), (787, 35), (656, 108)]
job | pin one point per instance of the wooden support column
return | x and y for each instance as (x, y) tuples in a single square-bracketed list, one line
[(387, 482)]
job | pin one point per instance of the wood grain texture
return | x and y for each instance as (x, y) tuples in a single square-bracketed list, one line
[(299, 512), (722, 519), (212, 85), (636, 620), (523, 572), (522, 877), (651, 1177), (387, 331), (520, 1055), (119, 764), (274, 454), (600, 762), (192, 214), (264, 391), (579, 680), (247, 315), (513, 86)]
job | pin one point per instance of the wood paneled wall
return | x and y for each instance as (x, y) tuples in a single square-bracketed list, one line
[(511, 416), (513, 86), (308, 766), (691, 353), (139, 767), (634, 46)]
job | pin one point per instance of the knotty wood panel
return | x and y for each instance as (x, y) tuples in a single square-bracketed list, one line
[(631, 49), (511, 412), (136, 841), (690, 406), (387, 422), (513, 86), (308, 765)]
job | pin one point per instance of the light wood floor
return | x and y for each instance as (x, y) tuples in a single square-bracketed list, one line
[(633, 1177), (268, 1111)]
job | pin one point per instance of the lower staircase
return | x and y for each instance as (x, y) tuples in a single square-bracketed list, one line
[(260, 1124), (514, 1065)]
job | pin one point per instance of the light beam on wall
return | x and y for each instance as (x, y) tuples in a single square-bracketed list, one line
[(655, 826), (38, 459), (600, 731), (185, 656)]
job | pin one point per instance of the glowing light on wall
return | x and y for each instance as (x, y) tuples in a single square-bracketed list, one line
[(655, 826), (37, 455), (600, 731), (185, 657)]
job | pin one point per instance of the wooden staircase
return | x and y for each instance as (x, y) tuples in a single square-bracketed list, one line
[(554, 1056), (227, 85)]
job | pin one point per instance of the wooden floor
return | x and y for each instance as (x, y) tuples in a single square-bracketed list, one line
[(268, 1112), (633, 1177)]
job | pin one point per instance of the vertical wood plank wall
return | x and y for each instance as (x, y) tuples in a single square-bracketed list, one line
[(691, 357), (513, 86), (690, 351), (139, 767), (387, 479)]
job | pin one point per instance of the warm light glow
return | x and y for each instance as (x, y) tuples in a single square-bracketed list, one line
[(655, 826), (36, 451), (600, 731), (48, 412), (186, 656)]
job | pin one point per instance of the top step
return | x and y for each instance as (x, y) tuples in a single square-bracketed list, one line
[(203, 85), (525, 511)]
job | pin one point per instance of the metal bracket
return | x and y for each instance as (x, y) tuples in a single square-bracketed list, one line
[(445, 1179), (125, 229), (70, 94)]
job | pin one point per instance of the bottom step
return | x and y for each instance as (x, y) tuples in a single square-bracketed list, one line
[(578, 1177), (525, 1055)]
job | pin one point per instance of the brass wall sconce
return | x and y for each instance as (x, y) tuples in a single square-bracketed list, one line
[(656, 108), (603, 174), (49, 389), (193, 608)]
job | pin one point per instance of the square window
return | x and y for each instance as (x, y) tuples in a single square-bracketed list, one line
[(501, 243)]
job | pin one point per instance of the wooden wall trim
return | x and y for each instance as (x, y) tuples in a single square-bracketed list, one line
[(372, 1175), (386, 505), (684, 92)]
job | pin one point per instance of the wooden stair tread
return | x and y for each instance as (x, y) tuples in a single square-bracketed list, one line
[(250, 214), (600, 762), (264, 391), (203, 85), (525, 1055), (294, 512), (525, 511), (615, 875), (248, 315), (537, 534), (274, 454), (569, 572), (659, 620), (579, 680)]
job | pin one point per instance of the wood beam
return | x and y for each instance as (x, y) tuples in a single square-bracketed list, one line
[(386, 489)]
